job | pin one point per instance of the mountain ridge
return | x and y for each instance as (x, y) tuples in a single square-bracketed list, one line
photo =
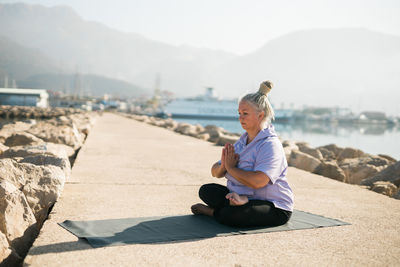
[(337, 66)]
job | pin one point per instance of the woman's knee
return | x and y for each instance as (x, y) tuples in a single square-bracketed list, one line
[(207, 189), (203, 190)]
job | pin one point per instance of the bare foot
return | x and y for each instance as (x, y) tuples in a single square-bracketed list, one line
[(202, 209), (236, 200)]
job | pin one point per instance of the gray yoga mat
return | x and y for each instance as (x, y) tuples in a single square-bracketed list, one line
[(162, 229)]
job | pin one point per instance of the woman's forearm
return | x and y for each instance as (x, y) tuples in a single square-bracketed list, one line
[(252, 179), (217, 170)]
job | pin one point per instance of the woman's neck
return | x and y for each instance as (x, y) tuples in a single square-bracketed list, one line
[(252, 134)]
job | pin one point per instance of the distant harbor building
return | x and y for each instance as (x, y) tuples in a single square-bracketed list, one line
[(24, 97)]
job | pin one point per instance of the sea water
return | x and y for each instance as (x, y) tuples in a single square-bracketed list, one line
[(373, 139)]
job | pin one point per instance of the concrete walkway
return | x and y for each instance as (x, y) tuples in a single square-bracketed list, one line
[(130, 169)]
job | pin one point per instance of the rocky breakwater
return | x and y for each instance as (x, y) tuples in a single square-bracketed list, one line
[(35, 161), (380, 173), (210, 133), (21, 112)]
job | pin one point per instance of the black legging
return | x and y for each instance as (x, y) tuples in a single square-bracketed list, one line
[(253, 213)]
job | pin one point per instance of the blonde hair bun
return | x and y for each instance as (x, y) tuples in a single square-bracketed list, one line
[(265, 87)]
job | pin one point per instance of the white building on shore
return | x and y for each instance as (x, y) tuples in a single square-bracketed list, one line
[(24, 97)]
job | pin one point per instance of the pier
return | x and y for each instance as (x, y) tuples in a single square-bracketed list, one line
[(131, 169)]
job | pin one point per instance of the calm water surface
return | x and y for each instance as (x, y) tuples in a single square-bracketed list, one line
[(370, 139)]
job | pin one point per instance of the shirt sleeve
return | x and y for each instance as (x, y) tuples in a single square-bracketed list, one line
[(270, 159)]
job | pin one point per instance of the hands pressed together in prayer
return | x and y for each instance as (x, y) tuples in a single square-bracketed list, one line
[(229, 160)]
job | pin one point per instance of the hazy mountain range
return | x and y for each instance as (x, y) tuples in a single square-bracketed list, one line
[(346, 67)]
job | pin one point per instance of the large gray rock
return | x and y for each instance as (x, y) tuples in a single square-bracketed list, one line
[(288, 147), (311, 151), (5, 250), (17, 220), (41, 184), (330, 169), (389, 174), (43, 187), (386, 188), (327, 154), (350, 153), (357, 169), (57, 150), (8, 257), (46, 160), (389, 158), (203, 136), (186, 129), (11, 172), (168, 124), (82, 121), (22, 139), (225, 139), (14, 127), (61, 134), (17, 126), (336, 150), (3, 148), (214, 132), (303, 161)]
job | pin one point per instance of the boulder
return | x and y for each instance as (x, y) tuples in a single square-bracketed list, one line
[(389, 158), (49, 160), (186, 129), (61, 134), (288, 146), (41, 184), (203, 136), (3, 148), (214, 132), (386, 188), (357, 169), (17, 221), (311, 151), (170, 124), (8, 257), (14, 127), (333, 148), (350, 153), (199, 128), (301, 144), (51, 149), (22, 139), (10, 171), (43, 187), (389, 174), (5, 250), (330, 169), (327, 154), (82, 121), (17, 126), (303, 161), (224, 139)]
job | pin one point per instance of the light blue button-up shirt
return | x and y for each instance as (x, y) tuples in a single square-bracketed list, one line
[(265, 153)]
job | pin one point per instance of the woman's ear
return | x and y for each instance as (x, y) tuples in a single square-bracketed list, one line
[(261, 115)]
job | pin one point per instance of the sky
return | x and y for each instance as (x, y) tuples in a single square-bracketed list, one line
[(236, 26)]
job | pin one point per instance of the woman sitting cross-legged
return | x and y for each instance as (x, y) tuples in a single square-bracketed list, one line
[(257, 191)]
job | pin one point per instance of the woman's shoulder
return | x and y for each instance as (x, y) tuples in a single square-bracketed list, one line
[(271, 144)]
